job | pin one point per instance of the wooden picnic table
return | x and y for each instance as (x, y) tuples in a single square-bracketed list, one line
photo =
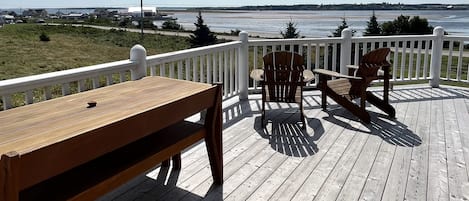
[(47, 143)]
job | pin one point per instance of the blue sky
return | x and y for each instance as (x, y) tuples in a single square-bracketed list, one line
[(190, 3)]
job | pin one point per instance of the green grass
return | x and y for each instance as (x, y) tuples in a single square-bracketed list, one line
[(23, 53)]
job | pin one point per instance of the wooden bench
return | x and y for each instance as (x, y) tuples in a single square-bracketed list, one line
[(97, 177)]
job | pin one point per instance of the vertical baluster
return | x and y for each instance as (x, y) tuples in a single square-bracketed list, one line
[(236, 70), (450, 60), (29, 97), (418, 64), (215, 67), (109, 80), (81, 86), (365, 47), (254, 59), (6, 102), (95, 81), (467, 72), (334, 57), (356, 55), (195, 71), (282, 47), (316, 57), (122, 77), (65, 89), (231, 76), (171, 70), (201, 68), (403, 58), (309, 53), (209, 68), (300, 49), (425, 58), (47, 93), (153, 70), (411, 59), (326, 56), (394, 65), (180, 76), (460, 60), (163, 70), (225, 72), (380, 45), (220, 67), (188, 68)]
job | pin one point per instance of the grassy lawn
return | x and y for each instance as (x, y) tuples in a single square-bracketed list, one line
[(23, 54)]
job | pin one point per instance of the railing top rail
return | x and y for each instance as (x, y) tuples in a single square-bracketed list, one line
[(294, 41), (393, 38), (455, 37), (30, 82), (177, 55)]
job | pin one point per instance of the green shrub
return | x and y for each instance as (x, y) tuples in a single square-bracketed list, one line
[(44, 37)]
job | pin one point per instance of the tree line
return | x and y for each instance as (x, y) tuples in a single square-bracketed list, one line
[(402, 25)]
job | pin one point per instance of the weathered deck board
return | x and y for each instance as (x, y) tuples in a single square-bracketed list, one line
[(423, 154)]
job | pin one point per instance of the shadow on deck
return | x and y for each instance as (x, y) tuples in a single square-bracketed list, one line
[(422, 154)]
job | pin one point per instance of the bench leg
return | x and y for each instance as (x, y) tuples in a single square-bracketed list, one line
[(177, 161), (165, 163)]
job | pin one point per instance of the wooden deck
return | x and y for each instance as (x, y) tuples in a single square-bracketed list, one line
[(423, 154)]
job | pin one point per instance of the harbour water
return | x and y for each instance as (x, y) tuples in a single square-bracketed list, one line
[(309, 23), (318, 23)]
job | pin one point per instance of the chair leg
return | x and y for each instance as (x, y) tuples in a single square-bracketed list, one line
[(302, 115), (358, 111), (381, 104), (263, 114), (323, 88)]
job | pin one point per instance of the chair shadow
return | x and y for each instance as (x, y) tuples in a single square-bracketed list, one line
[(390, 130), (288, 137)]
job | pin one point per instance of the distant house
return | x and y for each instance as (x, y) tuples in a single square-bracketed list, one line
[(147, 11), (75, 16), (35, 13), (7, 19)]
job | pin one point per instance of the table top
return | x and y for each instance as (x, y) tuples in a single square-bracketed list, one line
[(28, 128)]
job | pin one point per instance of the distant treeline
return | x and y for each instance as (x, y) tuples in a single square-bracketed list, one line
[(371, 6)]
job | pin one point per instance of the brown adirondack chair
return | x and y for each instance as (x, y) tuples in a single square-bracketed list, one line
[(282, 80), (349, 87)]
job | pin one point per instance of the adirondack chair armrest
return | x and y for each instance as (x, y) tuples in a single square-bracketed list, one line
[(352, 69), (308, 76), (257, 74), (335, 74)]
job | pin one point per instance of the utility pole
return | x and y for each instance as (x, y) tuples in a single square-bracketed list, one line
[(141, 21)]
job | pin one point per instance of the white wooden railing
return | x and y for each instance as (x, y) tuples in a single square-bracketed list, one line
[(419, 57)]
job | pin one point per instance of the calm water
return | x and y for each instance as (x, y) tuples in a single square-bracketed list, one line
[(309, 23), (317, 23)]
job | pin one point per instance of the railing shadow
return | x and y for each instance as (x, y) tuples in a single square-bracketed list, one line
[(390, 130), (425, 93), (288, 137)]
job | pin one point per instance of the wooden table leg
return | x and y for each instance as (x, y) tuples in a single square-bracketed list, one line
[(213, 140)]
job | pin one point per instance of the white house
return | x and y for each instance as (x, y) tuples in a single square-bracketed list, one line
[(7, 19), (147, 11)]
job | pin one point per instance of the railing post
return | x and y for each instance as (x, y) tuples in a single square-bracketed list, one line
[(345, 50), (138, 54), (437, 51), (243, 66)]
